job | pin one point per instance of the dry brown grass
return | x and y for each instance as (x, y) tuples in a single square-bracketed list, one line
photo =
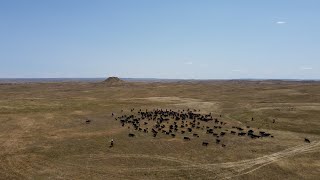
[(43, 133)]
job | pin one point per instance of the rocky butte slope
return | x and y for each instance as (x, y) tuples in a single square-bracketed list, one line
[(113, 81)]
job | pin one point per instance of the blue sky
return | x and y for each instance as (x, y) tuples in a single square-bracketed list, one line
[(205, 39)]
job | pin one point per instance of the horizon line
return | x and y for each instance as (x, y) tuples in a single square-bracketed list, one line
[(152, 78)]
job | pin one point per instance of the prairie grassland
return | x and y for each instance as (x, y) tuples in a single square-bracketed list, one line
[(43, 133)]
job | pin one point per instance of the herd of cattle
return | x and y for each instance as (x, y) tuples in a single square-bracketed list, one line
[(189, 123)]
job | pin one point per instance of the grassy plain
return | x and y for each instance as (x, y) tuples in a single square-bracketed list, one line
[(43, 134)]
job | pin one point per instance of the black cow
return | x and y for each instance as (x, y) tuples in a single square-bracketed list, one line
[(265, 135), (131, 135), (253, 136), (186, 138), (306, 140), (209, 131), (205, 143)]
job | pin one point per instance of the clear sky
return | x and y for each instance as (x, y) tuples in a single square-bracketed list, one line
[(201, 39)]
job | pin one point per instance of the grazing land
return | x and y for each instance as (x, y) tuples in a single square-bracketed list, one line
[(62, 130)]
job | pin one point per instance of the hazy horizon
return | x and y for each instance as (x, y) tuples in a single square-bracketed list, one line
[(153, 78)]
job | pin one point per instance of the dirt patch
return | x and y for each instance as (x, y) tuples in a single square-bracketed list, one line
[(78, 112), (68, 134), (185, 102)]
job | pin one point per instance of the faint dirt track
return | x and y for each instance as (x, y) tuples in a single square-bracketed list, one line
[(226, 170)]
